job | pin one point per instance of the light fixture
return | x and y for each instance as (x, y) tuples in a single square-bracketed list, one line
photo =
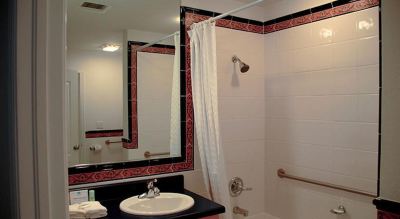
[(365, 24), (178, 19), (326, 33), (110, 47)]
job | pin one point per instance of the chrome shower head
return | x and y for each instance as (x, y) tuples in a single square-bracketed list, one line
[(243, 66)]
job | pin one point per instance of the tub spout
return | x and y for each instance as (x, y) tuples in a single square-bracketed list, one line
[(238, 210)]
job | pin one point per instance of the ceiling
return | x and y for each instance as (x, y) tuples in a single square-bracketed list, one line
[(87, 29)]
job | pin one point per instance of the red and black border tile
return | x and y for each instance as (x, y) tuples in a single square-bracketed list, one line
[(387, 215), (322, 12), (104, 133)]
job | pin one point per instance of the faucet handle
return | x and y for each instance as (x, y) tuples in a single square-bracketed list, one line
[(236, 187), (246, 188), (150, 183), (156, 191)]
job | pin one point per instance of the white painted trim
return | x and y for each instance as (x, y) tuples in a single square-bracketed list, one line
[(40, 114), (56, 136), (27, 178)]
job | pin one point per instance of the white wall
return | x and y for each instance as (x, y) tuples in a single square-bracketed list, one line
[(138, 36), (146, 36), (102, 82), (102, 100), (241, 113), (279, 8), (154, 81), (322, 115)]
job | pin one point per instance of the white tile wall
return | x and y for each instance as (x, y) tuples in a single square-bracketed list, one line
[(241, 110), (309, 105), (321, 109), (154, 111)]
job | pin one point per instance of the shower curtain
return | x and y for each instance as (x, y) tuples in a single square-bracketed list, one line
[(205, 101), (175, 125)]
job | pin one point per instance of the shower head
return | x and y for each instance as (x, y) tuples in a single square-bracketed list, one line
[(243, 66)]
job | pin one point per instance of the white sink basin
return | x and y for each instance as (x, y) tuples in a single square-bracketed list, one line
[(165, 203)]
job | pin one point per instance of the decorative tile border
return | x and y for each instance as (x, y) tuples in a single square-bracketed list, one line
[(322, 12), (132, 142), (166, 50), (104, 133), (386, 215), (194, 15), (329, 10)]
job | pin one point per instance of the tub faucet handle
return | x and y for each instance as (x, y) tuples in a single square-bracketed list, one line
[(236, 187)]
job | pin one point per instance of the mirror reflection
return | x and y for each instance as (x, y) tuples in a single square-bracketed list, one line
[(123, 81)]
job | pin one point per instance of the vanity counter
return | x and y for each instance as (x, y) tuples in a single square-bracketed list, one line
[(110, 196), (202, 208)]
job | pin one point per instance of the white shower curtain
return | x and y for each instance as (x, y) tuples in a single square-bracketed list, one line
[(175, 126), (205, 101)]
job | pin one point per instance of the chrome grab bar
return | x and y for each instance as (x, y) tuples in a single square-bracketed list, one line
[(282, 174), (148, 154)]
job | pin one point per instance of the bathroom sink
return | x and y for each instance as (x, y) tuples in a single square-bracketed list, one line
[(165, 203)]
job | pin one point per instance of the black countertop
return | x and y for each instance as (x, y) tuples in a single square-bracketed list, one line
[(110, 196), (387, 205), (202, 208)]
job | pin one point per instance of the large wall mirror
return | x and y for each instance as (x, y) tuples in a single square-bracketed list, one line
[(126, 102)]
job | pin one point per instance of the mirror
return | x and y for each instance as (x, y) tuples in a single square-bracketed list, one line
[(154, 98), (123, 80)]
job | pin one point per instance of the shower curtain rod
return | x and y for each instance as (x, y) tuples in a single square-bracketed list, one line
[(235, 10), (157, 41), (210, 20)]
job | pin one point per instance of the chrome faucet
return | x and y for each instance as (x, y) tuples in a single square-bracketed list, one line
[(152, 192)]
